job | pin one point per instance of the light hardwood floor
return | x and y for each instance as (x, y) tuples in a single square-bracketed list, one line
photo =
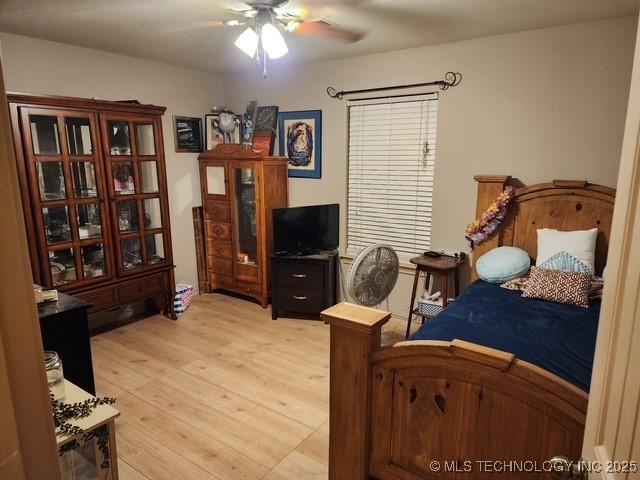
[(222, 393)]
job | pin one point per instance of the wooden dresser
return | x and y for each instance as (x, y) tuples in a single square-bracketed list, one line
[(240, 188), (94, 196)]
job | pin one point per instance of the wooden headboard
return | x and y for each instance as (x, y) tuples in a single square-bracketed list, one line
[(561, 204)]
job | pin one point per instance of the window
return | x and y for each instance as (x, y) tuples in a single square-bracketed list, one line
[(392, 147)]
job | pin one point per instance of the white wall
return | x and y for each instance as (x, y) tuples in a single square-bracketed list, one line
[(38, 66), (538, 105)]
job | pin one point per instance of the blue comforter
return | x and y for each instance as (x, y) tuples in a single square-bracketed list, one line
[(559, 338)]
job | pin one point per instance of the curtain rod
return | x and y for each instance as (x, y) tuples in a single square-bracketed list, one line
[(451, 79), (400, 95)]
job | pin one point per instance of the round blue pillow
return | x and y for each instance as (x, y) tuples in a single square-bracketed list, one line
[(502, 264)]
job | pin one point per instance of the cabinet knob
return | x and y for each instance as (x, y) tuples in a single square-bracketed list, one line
[(299, 275), (299, 297)]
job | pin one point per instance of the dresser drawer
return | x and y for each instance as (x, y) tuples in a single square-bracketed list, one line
[(220, 231), (247, 288), (219, 265), (220, 281), (304, 300), (247, 272), (102, 298), (141, 287), (298, 275), (218, 212), (219, 248)]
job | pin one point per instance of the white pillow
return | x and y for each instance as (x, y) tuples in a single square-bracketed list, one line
[(580, 244)]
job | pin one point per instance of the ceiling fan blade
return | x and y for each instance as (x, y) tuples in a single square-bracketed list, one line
[(247, 12), (326, 29), (184, 26), (324, 3)]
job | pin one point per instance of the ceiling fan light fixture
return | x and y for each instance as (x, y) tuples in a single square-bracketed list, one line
[(292, 25), (248, 42), (273, 41)]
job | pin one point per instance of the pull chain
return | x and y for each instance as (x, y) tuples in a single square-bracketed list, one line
[(264, 64)]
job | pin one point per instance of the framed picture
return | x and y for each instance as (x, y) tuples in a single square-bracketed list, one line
[(300, 135), (221, 129), (213, 134), (266, 118), (188, 134), (263, 142)]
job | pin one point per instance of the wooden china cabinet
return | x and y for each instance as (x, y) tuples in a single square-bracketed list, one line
[(240, 188), (94, 194)]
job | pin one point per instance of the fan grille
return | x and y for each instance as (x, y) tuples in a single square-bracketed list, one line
[(373, 275)]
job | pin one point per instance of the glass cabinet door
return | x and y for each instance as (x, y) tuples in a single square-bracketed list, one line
[(216, 180), (134, 173), (68, 194), (246, 217)]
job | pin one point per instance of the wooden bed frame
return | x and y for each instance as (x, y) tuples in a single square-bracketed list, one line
[(394, 410)]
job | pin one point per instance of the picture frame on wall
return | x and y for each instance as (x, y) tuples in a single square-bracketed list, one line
[(187, 134), (300, 140)]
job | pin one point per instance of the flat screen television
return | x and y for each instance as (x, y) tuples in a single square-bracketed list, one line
[(304, 230)]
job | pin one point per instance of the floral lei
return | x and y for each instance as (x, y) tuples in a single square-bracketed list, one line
[(483, 228)]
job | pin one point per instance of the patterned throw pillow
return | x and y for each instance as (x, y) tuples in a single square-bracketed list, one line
[(558, 286), (516, 284), (520, 283), (566, 262)]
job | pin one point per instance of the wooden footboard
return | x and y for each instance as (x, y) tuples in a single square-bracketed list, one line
[(473, 410)]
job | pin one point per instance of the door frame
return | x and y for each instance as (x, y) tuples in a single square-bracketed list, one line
[(614, 399), (28, 448)]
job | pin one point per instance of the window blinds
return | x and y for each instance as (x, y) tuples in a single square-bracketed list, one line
[(392, 147)]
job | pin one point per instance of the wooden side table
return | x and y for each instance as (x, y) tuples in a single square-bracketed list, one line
[(92, 453), (442, 266)]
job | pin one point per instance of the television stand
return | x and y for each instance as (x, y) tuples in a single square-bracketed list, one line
[(303, 284)]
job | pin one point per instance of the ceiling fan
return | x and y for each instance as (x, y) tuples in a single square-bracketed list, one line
[(265, 19)]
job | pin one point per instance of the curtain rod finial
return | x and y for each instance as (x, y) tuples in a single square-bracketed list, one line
[(333, 93), (451, 79)]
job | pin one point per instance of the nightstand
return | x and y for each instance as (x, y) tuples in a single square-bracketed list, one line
[(303, 284), (442, 266)]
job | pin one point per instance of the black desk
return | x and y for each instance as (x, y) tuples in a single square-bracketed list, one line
[(64, 328)]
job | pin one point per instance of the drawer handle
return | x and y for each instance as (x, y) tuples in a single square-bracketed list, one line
[(299, 297), (300, 275)]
